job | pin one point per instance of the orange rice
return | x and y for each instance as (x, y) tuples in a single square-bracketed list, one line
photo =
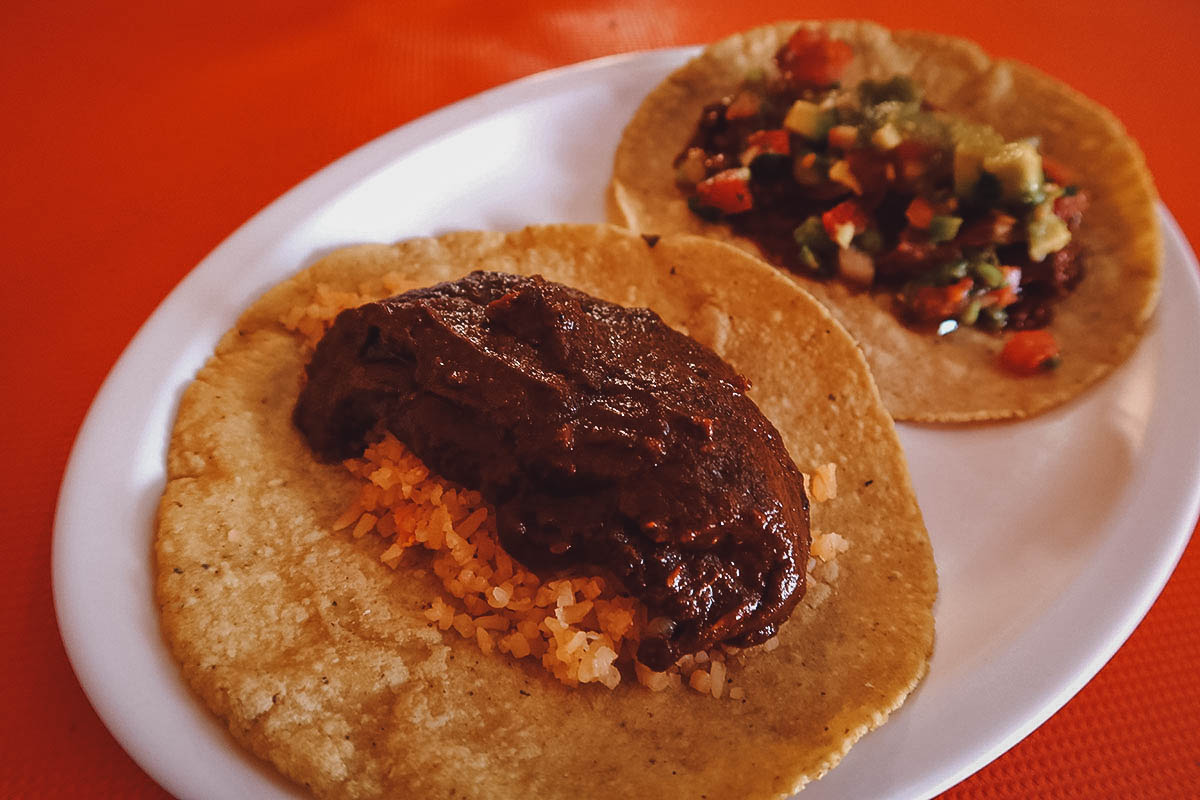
[(580, 629), (576, 627)]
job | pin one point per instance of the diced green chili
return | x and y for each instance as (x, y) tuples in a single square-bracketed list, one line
[(870, 241), (811, 233), (970, 314), (809, 259), (943, 229), (951, 272), (899, 88), (991, 276)]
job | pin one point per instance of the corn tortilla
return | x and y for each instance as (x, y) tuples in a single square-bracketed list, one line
[(922, 377), (319, 657)]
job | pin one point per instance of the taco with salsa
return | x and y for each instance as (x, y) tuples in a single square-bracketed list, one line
[(362, 626), (987, 234)]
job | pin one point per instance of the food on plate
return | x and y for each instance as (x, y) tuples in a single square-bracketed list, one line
[(944, 205), (604, 440), (302, 610)]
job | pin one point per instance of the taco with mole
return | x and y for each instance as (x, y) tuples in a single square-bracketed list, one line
[(987, 234), (611, 600)]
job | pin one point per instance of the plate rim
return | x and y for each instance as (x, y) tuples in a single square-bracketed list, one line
[(1187, 519)]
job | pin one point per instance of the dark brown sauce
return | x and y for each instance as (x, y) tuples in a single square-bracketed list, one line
[(604, 439)]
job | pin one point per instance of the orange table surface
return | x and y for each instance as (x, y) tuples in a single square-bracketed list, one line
[(136, 136)]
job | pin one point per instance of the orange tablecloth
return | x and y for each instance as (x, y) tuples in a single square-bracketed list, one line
[(136, 136)]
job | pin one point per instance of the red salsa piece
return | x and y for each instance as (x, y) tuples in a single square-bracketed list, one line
[(1029, 352), (810, 58), (727, 191)]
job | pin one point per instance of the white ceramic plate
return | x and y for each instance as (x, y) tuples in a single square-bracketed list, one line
[(1052, 536)]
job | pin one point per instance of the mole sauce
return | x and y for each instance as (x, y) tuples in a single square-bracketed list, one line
[(606, 441)]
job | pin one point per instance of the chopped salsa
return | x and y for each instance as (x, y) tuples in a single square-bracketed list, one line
[(874, 186)]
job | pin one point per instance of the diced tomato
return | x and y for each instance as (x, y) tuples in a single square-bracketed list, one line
[(745, 104), (1057, 172), (843, 137), (727, 191), (995, 228), (1027, 352), (920, 213), (935, 303), (812, 58), (845, 213), (774, 141), (1003, 297), (1070, 208)]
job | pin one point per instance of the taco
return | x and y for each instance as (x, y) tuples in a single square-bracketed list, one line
[(987, 234), (331, 653)]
